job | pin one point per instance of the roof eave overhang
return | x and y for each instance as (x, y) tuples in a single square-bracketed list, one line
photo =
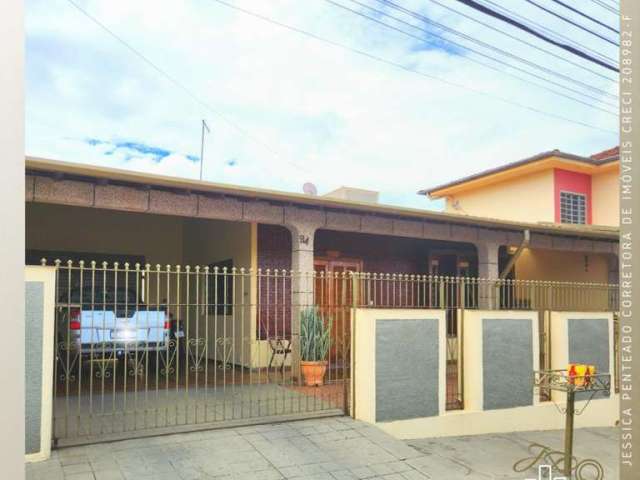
[(34, 164), (503, 174)]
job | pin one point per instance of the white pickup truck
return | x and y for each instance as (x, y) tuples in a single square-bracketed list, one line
[(113, 322)]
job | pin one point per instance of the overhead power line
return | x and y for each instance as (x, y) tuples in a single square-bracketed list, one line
[(559, 37), (582, 14), (483, 44), (487, 11), (175, 82), (544, 30), (405, 67), (501, 71), (524, 42), (607, 7), (571, 22)]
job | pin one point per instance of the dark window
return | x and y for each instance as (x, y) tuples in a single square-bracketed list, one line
[(573, 208), (100, 287), (221, 288)]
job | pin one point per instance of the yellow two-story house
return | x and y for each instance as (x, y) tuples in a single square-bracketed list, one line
[(551, 187), (554, 187)]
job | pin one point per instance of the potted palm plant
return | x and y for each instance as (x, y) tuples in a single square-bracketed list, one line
[(315, 340)]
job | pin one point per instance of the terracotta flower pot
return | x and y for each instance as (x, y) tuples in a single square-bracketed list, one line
[(313, 372)]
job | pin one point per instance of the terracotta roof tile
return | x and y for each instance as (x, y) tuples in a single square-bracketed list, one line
[(606, 154)]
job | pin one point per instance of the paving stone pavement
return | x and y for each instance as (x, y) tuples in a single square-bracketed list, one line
[(334, 448), (493, 456)]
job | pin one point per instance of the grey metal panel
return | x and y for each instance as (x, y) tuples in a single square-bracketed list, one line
[(589, 343), (507, 363), (34, 317), (407, 369)]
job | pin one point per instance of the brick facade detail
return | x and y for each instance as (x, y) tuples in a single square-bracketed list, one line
[(274, 290)]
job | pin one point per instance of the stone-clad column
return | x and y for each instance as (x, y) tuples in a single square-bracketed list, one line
[(488, 270), (302, 236), (302, 282)]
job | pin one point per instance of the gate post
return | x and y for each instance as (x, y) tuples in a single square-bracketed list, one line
[(39, 325), (350, 407), (460, 335)]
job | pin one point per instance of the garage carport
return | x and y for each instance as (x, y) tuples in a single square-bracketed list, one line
[(188, 289)]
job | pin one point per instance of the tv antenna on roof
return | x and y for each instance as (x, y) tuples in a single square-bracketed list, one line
[(310, 189), (204, 126)]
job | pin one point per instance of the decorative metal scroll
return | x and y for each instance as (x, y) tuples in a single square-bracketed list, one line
[(69, 359), (227, 350), (197, 353), (543, 455), (136, 363), (561, 381), (168, 358), (105, 364)]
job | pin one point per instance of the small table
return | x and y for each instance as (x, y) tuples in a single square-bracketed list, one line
[(561, 381), (279, 346)]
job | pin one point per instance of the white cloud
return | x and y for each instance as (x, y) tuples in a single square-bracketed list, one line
[(334, 117)]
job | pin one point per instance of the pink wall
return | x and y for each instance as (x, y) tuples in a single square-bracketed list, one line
[(566, 181)]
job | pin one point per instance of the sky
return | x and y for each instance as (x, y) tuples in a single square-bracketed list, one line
[(284, 108)]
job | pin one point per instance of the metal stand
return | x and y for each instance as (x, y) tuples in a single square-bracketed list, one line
[(568, 432), (559, 380)]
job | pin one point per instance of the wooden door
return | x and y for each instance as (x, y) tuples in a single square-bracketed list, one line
[(334, 297)]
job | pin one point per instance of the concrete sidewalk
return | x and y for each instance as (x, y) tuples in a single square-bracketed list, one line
[(493, 456), (332, 448)]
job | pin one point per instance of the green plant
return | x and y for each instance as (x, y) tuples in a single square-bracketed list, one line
[(315, 335)]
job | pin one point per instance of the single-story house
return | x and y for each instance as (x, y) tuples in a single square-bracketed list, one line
[(81, 212)]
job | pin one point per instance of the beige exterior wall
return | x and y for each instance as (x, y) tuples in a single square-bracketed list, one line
[(161, 239), (562, 266), (354, 194), (12, 354), (213, 241), (554, 266), (605, 190), (527, 199), (209, 241), (544, 416), (57, 227)]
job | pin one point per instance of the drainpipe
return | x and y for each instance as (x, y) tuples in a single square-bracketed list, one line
[(514, 258)]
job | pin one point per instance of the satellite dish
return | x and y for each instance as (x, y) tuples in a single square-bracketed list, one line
[(310, 189)]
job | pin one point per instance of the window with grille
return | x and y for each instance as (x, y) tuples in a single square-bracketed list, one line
[(221, 288), (573, 208)]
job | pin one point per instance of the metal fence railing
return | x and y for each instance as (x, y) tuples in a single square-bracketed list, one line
[(141, 347), (428, 291)]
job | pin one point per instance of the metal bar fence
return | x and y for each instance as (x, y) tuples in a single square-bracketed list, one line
[(142, 349)]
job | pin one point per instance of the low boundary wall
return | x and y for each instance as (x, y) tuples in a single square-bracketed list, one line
[(500, 351)]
